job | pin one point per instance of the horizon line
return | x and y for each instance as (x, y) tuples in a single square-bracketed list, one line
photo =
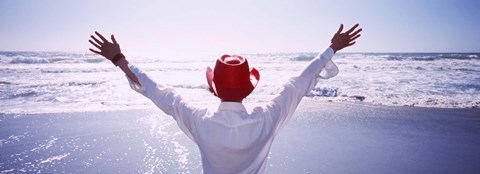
[(269, 52)]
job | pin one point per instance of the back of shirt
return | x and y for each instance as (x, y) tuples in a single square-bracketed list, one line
[(234, 141)]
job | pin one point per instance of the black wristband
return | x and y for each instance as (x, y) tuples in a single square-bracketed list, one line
[(117, 58)]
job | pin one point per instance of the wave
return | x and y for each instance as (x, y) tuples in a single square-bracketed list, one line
[(5, 83), (458, 56), (204, 86), (331, 93), (82, 83), (323, 92), (303, 58), (47, 58), (39, 60), (466, 86), (27, 60), (425, 100), (419, 58), (430, 56), (21, 95)]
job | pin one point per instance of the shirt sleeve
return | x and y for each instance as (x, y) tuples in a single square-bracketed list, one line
[(168, 100), (284, 104)]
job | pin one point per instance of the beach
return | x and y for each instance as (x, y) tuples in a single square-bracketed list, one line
[(322, 137)]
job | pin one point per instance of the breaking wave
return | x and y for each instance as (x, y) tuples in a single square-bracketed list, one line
[(47, 58)]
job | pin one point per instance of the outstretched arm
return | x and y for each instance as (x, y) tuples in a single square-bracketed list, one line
[(166, 98), (342, 40), (111, 51), (284, 104)]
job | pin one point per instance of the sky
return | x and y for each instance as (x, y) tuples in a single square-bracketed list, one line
[(245, 26)]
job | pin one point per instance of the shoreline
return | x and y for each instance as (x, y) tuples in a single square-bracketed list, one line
[(308, 102)]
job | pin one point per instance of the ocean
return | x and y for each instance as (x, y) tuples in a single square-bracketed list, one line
[(383, 113), (56, 82)]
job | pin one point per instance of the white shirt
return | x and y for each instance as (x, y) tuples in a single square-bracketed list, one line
[(230, 139)]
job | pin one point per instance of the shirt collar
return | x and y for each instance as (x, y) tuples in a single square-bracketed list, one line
[(231, 106)]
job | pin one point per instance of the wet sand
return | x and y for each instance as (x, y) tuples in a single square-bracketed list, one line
[(322, 137)]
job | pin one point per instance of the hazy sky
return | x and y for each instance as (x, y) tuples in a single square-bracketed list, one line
[(241, 26)]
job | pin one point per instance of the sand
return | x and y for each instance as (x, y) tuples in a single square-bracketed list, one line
[(323, 137)]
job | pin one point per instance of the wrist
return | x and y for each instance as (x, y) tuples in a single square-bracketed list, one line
[(117, 58), (334, 48), (122, 63)]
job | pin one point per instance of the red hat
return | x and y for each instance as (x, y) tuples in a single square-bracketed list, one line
[(232, 80)]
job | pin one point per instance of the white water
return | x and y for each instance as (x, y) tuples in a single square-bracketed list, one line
[(40, 82)]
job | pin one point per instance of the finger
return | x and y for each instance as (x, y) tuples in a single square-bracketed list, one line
[(95, 51), (94, 44), (101, 37), (351, 29), (351, 43), (340, 29), (356, 32), (113, 39), (96, 40), (355, 37)]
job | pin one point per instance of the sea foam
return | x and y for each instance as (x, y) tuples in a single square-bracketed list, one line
[(43, 82)]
